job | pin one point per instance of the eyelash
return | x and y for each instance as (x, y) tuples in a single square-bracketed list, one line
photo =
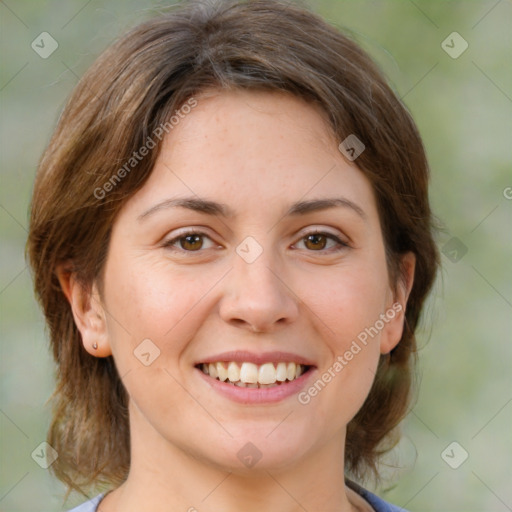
[(341, 244), (169, 244)]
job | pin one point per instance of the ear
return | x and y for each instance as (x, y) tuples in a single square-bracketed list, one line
[(396, 307), (88, 313)]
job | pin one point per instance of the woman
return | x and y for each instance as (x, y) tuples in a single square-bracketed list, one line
[(232, 243)]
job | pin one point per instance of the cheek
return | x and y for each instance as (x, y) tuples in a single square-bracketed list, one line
[(155, 302), (346, 302), (346, 307)]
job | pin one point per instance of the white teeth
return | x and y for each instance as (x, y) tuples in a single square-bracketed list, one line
[(212, 370), (251, 375), (281, 372), (222, 372), (267, 374), (233, 372), (248, 373), (290, 371)]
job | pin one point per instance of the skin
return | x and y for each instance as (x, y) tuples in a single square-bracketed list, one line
[(257, 153)]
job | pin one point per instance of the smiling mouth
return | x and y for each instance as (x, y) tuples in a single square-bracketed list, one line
[(250, 375)]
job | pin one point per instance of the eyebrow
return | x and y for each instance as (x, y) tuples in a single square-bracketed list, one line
[(214, 208), (303, 207), (191, 203)]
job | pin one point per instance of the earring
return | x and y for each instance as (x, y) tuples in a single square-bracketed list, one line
[(95, 346)]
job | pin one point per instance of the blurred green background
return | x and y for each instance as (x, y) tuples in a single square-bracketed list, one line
[(463, 107)]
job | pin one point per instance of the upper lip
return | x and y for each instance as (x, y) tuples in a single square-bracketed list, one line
[(242, 356)]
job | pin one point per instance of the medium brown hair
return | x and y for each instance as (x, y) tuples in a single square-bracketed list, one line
[(134, 87)]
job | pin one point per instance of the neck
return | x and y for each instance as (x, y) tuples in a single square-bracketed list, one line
[(166, 477)]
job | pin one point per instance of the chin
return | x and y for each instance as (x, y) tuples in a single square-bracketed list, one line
[(253, 449)]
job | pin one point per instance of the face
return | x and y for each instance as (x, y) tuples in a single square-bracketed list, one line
[(246, 296)]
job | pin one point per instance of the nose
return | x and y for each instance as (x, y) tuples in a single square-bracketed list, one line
[(257, 298)]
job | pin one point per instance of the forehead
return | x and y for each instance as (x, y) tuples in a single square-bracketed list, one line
[(252, 150)]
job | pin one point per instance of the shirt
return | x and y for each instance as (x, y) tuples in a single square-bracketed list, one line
[(378, 504)]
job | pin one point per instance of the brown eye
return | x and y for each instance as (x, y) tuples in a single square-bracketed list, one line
[(323, 242), (191, 242), (316, 241)]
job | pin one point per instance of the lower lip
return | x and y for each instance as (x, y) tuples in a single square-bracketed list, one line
[(259, 395)]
